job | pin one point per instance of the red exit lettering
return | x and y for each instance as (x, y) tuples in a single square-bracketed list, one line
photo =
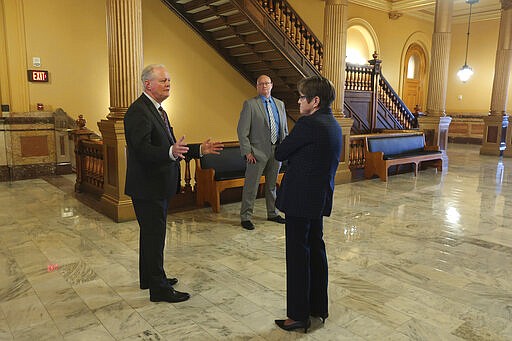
[(37, 76)]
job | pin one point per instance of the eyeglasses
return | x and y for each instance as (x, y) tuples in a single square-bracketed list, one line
[(302, 97), (264, 84)]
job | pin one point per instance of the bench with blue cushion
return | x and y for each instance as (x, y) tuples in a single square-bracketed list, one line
[(385, 150), (215, 173)]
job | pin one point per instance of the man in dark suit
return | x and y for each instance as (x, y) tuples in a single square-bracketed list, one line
[(313, 151), (153, 177), (262, 125)]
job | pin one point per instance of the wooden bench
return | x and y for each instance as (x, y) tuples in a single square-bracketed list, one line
[(381, 152), (215, 173)]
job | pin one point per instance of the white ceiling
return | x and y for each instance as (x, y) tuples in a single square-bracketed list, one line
[(425, 9)]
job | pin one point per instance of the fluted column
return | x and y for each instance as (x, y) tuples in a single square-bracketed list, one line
[(125, 54), (496, 132), (124, 30), (335, 45), (436, 123), (13, 57)]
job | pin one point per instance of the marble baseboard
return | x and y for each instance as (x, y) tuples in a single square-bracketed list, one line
[(465, 140), (23, 172)]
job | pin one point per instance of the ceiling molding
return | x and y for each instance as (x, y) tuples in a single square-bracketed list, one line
[(425, 9)]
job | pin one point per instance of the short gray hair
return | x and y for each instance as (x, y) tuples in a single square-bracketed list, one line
[(147, 73)]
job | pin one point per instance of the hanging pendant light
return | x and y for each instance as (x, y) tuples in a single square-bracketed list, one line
[(466, 71)]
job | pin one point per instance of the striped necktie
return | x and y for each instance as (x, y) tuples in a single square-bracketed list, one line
[(271, 119), (163, 114)]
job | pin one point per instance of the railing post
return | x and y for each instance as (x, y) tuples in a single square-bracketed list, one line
[(376, 68), (79, 134)]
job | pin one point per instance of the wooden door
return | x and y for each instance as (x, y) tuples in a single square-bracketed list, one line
[(413, 92)]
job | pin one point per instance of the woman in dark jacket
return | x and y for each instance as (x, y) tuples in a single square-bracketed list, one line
[(313, 150)]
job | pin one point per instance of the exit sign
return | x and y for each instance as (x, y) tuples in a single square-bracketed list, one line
[(37, 76)]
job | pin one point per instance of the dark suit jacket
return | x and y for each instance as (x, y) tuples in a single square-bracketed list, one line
[(313, 150), (150, 172)]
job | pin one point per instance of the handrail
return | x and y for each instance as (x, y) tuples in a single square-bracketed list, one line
[(393, 102)]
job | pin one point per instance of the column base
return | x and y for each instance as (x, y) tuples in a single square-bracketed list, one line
[(117, 210), (495, 132), (436, 130), (343, 175)]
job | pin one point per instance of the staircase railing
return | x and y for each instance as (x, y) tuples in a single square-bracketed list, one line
[(358, 77), (395, 105), (296, 29), (370, 78)]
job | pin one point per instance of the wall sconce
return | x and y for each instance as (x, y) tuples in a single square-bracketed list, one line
[(466, 71)]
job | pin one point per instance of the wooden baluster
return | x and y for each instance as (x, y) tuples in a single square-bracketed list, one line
[(279, 13), (321, 56), (188, 177), (302, 39), (298, 33), (287, 22), (349, 75), (317, 55), (269, 5), (311, 50), (362, 78), (292, 27), (306, 45)]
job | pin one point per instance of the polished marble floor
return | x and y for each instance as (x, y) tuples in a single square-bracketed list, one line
[(416, 258)]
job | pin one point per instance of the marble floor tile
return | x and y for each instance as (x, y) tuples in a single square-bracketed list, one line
[(413, 258)]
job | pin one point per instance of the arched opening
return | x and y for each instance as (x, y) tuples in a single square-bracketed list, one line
[(361, 43), (414, 77)]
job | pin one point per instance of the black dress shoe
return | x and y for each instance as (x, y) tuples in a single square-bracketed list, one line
[(321, 316), (171, 281), (247, 224), (169, 295), (277, 219), (295, 325)]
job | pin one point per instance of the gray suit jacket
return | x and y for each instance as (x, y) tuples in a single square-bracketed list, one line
[(254, 128)]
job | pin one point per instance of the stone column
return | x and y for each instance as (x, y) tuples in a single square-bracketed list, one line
[(435, 125), (124, 30), (335, 44), (497, 134), (13, 57)]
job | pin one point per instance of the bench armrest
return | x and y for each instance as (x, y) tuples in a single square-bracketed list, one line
[(429, 148)]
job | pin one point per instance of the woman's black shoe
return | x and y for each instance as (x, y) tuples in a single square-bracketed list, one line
[(322, 316), (295, 325)]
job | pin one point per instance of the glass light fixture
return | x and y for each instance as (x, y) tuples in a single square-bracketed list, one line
[(466, 71)]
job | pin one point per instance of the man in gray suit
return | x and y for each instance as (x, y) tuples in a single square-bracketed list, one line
[(262, 125)]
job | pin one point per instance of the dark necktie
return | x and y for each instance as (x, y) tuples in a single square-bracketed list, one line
[(163, 114), (271, 119)]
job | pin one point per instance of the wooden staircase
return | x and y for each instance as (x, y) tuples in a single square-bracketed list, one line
[(268, 37), (256, 37)]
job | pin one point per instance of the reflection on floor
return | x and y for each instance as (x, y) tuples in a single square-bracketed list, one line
[(416, 258)]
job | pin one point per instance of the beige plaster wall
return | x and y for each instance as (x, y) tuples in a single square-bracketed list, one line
[(473, 96), (70, 38), (206, 92)]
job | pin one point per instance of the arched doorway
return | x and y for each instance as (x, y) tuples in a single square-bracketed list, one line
[(415, 66), (361, 41)]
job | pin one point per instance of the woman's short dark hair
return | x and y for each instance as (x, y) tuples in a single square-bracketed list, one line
[(317, 86)]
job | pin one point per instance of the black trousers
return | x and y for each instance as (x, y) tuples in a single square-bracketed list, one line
[(152, 218), (306, 268)]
